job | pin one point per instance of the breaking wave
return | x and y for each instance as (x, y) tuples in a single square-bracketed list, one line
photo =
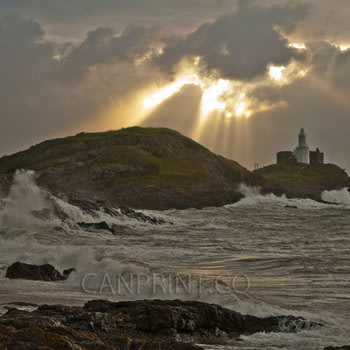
[(253, 197), (27, 205), (341, 197)]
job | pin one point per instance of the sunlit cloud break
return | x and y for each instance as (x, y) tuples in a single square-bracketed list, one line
[(228, 97), (169, 90)]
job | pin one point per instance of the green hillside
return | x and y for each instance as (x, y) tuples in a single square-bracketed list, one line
[(154, 168)]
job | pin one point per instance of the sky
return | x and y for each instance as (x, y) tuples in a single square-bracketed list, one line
[(241, 76)]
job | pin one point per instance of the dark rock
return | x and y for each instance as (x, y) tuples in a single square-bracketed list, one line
[(96, 226), (158, 316), (136, 325), (345, 347), (68, 271), (140, 216), (44, 272), (163, 346), (91, 207)]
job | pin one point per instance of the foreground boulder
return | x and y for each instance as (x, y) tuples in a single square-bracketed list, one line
[(96, 226), (135, 325), (162, 316), (44, 272)]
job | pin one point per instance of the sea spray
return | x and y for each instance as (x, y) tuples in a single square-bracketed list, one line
[(341, 197), (253, 197), (24, 197)]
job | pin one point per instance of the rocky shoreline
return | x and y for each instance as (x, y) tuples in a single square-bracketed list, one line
[(135, 325)]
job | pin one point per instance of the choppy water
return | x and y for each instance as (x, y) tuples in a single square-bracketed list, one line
[(256, 256)]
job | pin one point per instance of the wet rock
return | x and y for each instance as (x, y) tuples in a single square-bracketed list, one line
[(44, 272), (140, 216), (92, 207), (135, 325), (68, 272), (159, 316), (163, 346), (96, 226)]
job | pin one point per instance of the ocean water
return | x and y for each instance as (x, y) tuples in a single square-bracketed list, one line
[(264, 255)]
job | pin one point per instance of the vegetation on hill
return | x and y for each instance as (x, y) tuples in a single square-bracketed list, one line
[(304, 180), (153, 168)]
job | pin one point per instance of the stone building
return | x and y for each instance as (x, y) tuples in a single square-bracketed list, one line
[(316, 157), (286, 157)]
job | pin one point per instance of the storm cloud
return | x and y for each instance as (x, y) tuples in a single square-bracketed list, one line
[(63, 63), (240, 45), (49, 88)]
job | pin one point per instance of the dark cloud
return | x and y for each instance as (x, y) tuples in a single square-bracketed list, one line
[(340, 71), (102, 46), (239, 45), (323, 54), (41, 96), (72, 19), (24, 57)]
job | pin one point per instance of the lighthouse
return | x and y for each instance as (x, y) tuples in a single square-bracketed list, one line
[(301, 152)]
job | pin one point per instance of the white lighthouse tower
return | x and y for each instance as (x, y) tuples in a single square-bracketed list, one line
[(302, 151)]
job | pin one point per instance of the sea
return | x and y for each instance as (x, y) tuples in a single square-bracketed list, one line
[(265, 255)]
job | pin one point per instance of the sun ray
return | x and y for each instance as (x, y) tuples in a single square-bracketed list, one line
[(161, 95)]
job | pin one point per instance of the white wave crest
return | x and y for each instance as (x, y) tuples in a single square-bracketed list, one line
[(253, 197), (341, 197)]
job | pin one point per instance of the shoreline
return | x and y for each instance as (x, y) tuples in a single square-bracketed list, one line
[(146, 324)]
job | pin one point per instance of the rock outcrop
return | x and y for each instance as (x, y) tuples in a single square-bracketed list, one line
[(45, 272), (135, 325), (90, 207)]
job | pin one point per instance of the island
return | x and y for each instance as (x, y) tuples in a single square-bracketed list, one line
[(157, 168)]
